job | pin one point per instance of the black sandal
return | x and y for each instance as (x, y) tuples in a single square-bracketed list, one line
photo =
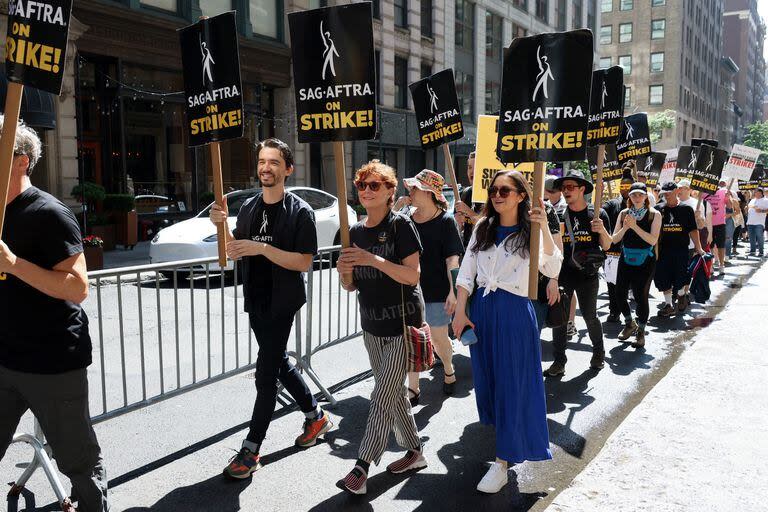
[(448, 387), (415, 398)]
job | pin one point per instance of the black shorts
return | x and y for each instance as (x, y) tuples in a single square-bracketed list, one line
[(672, 269), (718, 236)]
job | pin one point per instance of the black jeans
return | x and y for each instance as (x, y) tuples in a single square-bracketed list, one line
[(586, 288), (272, 365), (614, 304), (638, 279)]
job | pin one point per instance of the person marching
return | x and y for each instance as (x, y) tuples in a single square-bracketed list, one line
[(718, 202), (276, 239), (613, 208), (637, 230), (45, 346), (466, 216), (678, 225), (442, 246), (506, 359), (758, 208), (584, 241), (555, 199), (383, 265)]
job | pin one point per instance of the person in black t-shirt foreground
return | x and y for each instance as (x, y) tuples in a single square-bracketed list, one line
[(276, 239), (613, 207), (45, 347), (467, 216), (584, 240), (678, 225), (383, 266), (442, 247)]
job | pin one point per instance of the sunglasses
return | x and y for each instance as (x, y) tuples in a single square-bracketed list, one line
[(375, 186), (570, 187), (503, 192)]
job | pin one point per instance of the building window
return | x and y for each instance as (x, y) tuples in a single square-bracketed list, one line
[(656, 95), (264, 17), (606, 5), (465, 24), (657, 3), (578, 12), (492, 97), (625, 33), (214, 7), (518, 31), (626, 5), (657, 29), (493, 28), (465, 87), (625, 61), (401, 82), (521, 4), (627, 97), (561, 14), (606, 34), (401, 13), (426, 69), (657, 62), (605, 62), (166, 5), (426, 18), (542, 10)]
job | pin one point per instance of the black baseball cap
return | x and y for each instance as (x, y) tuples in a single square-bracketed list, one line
[(669, 186), (638, 187)]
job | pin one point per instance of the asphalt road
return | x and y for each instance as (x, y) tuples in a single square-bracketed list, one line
[(168, 457)]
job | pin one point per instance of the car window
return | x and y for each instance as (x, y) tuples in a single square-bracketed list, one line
[(316, 200), (234, 203)]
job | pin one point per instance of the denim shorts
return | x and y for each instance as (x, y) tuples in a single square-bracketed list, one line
[(436, 315)]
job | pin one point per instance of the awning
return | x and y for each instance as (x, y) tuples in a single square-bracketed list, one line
[(37, 107)]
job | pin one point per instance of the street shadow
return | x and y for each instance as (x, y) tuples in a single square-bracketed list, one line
[(432, 396), (183, 281), (198, 497), (625, 359), (574, 396)]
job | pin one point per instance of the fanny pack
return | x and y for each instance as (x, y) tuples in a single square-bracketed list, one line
[(636, 257)]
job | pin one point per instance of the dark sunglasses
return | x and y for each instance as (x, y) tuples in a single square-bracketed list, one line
[(502, 191), (570, 187), (373, 185)]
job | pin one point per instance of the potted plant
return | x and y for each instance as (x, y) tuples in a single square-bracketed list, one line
[(122, 208), (93, 248)]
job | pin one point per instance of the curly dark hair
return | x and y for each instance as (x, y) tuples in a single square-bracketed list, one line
[(485, 233)]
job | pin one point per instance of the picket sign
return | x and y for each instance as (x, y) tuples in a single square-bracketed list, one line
[(218, 193), (7, 141), (599, 184), (341, 191), (451, 171), (533, 268)]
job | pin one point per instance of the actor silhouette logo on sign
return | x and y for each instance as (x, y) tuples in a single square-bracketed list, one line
[(545, 74), (630, 130), (694, 157), (207, 61), (711, 162), (605, 95), (329, 52), (648, 164), (432, 100)]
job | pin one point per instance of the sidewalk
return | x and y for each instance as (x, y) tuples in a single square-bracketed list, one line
[(699, 439)]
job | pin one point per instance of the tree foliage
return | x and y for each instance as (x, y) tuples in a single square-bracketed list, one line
[(659, 122), (757, 137)]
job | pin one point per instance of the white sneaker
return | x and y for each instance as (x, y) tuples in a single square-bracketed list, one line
[(494, 479)]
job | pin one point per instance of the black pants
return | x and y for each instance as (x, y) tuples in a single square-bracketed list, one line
[(614, 302), (638, 279), (586, 289), (272, 365)]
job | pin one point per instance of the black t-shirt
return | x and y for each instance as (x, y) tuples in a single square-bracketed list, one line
[(466, 198), (440, 240), (262, 229), (40, 334), (613, 208), (380, 296), (631, 239), (586, 240), (676, 225)]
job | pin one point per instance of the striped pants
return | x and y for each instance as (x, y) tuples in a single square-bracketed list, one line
[(390, 407)]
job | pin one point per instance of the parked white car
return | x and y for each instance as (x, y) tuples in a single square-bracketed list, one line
[(196, 237)]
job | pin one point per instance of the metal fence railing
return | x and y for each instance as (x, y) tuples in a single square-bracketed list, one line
[(162, 330)]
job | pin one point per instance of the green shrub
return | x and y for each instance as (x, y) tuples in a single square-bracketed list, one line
[(89, 192), (119, 203)]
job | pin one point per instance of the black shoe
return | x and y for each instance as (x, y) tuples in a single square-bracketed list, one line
[(667, 311), (598, 360), (613, 319), (448, 387)]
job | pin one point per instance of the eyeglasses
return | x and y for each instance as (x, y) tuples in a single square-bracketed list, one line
[(503, 192), (373, 185), (570, 187)]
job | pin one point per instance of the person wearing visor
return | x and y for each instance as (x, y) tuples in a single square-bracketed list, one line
[(637, 232)]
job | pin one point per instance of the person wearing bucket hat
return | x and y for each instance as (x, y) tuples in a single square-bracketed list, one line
[(584, 240), (442, 247)]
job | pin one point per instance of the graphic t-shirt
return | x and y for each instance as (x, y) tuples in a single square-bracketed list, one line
[(440, 240), (262, 230), (586, 240), (379, 295), (754, 218), (717, 202), (676, 225), (40, 334)]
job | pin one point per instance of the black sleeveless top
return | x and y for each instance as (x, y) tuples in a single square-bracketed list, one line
[(631, 239)]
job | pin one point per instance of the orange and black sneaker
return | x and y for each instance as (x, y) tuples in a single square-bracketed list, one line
[(314, 429), (243, 464)]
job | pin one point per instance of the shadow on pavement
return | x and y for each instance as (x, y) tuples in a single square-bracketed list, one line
[(198, 497), (571, 395)]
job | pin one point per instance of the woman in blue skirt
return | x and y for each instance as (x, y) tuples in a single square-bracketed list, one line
[(506, 360)]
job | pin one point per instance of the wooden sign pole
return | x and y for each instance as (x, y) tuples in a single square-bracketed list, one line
[(218, 192), (599, 184), (7, 141), (451, 171), (341, 191), (533, 270)]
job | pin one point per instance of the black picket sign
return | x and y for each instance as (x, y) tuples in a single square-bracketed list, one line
[(635, 138), (437, 109), (334, 73), (36, 43), (758, 175), (611, 168), (212, 88), (545, 98), (651, 165), (606, 106), (709, 167), (709, 142), (687, 156)]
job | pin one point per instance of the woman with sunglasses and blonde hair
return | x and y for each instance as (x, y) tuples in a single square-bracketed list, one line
[(383, 266), (506, 359)]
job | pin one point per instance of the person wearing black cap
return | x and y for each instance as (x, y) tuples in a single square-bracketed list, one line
[(613, 208), (678, 225), (584, 241), (636, 232)]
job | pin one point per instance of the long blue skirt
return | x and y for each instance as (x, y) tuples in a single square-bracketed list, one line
[(506, 366)]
